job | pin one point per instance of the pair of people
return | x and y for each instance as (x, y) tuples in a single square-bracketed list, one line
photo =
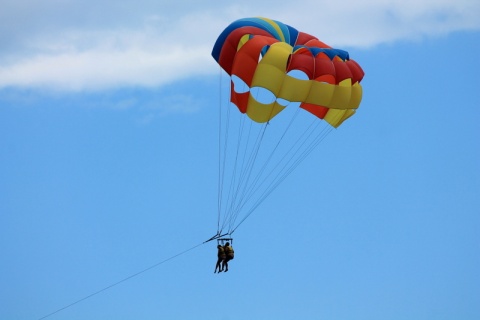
[(224, 254)]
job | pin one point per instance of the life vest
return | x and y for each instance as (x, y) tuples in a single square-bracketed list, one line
[(229, 251), (221, 252)]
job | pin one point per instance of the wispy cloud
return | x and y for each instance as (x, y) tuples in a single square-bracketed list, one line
[(83, 45)]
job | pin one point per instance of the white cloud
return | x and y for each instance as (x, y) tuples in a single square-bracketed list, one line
[(155, 53), (104, 67), (84, 45)]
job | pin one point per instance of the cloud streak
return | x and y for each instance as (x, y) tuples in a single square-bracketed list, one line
[(83, 46)]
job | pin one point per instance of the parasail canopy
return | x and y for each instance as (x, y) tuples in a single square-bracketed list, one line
[(264, 53), (294, 71)]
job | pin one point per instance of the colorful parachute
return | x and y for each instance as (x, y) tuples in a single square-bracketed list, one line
[(333, 90), (298, 73)]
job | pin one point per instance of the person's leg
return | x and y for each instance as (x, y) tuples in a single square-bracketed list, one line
[(226, 264), (217, 266)]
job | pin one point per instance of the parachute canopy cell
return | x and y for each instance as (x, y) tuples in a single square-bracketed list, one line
[(265, 53)]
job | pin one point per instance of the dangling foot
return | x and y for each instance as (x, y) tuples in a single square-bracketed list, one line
[(226, 270)]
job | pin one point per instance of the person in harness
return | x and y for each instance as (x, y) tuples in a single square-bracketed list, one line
[(229, 255), (221, 257)]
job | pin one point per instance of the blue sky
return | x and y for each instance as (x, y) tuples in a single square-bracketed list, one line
[(109, 162)]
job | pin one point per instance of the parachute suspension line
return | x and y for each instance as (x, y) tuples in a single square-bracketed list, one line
[(220, 175), (295, 160), (240, 175), (236, 167), (256, 187), (246, 163), (252, 186), (225, 201), (222, 156), (250, 182), (244, 180), (297, 156), (231, 192), (244, 187), (291, 164)]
